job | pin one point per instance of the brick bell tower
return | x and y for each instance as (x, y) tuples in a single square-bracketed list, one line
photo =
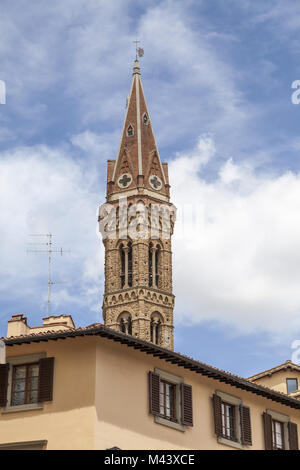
[(136, 225)]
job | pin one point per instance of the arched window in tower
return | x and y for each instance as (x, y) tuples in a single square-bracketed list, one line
[(126, 265), (153, 263), (130, 265), (125, 323), (122, 325), (155, 328), (157, 254), (122, 254), (150, 266), (130, 131)]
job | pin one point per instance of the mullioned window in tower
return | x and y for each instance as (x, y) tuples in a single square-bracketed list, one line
[(126, 265)]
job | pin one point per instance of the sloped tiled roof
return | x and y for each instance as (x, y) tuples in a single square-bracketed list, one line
[(287, 365), (181, 360)]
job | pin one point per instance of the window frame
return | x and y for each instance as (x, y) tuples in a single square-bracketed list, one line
[(284, 419), (232, 427), (274, 434), (287, 389), (177, 381), (172, 401), (27, 382), (19, 360), (236, 402)]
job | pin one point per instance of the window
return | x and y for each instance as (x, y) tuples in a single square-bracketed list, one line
[(277, 435), (232, 420), (25, 384), (155, 328), (280, 433), (130, 131), (31, 445), (291, 385), (126, 265), (170, 400), (153, 265), (145, 119), (167, 400), (125, 323), (228, 421)]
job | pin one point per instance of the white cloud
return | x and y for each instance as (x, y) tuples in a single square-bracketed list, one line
[(240, 264), (43, 190)]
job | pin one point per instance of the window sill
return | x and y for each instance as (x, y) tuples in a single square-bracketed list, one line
[(170, 424), (30, 407), (228, 442)]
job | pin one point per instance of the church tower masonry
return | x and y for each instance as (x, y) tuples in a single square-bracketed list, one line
[(137, 223)]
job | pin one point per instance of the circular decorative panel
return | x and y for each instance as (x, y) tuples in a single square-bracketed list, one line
[(124, 180), (155, 182)]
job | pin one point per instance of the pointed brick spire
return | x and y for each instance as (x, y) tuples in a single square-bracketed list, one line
[(138, 163)]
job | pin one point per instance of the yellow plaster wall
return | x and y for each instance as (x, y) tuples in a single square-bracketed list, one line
[(68, 421), (122, 417)]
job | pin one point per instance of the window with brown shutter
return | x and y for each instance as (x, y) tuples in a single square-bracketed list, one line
[(293, 436), (232, 420), (217, 406), (186, 405), (267, 420), (4, 368), (154, 390), (45, 383), (170, 400), (246, 433)]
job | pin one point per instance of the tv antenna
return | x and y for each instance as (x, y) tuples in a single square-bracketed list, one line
[(50, 251)]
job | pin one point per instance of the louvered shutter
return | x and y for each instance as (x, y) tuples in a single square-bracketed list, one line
[(267, 419), (45, 390), (217, 406), (186, 404), (246, 434), (293, 436), (4, 368), (154, 383)]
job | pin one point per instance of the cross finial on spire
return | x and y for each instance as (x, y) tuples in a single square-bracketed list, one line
[(139, 52), (136, 48)]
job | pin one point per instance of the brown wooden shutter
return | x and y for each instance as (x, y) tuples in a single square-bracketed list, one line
[(45, 392), (267, 419), (217, 406), (246, 434), (293, 436), (154, 383), (186, 404), (4, 368)]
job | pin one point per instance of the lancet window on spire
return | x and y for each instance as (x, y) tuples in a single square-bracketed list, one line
[(130, 131), (145, 119), (126, 265)]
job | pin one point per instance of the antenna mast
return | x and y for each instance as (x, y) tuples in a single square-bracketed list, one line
[(50, 250)]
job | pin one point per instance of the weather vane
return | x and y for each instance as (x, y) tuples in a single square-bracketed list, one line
[(139, 52)]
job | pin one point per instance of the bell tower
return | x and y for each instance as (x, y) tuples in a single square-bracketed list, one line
[(137, 223)]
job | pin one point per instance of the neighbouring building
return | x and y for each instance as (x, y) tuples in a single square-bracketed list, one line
[(120, 384)]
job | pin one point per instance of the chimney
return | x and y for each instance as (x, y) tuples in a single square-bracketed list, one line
[(17, 326)]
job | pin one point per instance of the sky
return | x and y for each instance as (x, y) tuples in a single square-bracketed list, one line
[(218, 78)]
